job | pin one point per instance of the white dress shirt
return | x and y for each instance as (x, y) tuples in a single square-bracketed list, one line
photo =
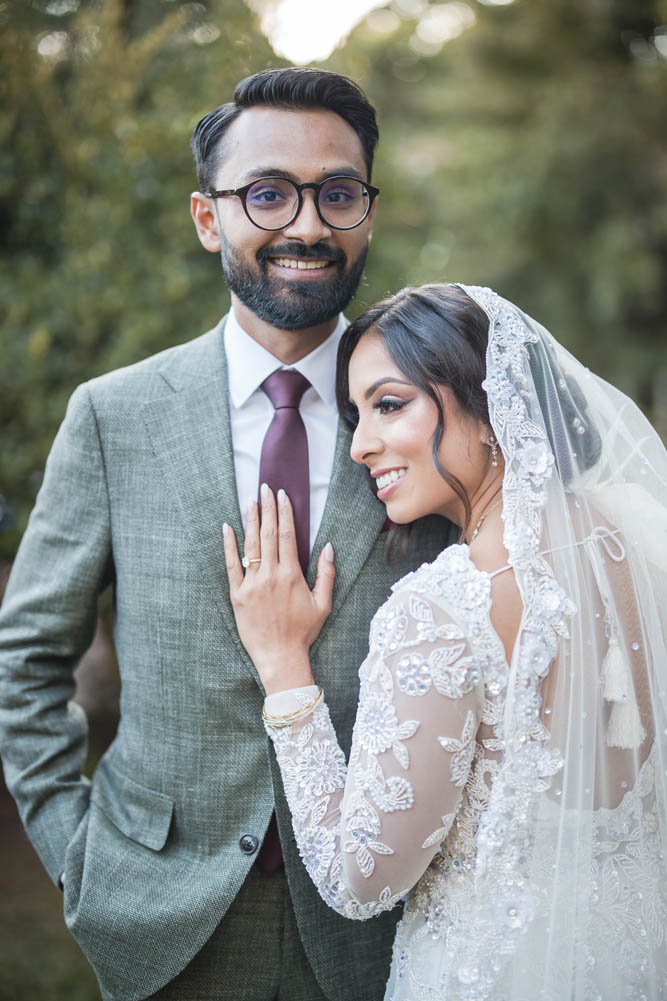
[(251, 411)]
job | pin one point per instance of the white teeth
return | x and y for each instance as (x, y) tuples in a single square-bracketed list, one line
[(291, 262), (390, 477)]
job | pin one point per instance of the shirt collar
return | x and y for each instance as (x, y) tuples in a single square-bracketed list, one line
[(250, 364)]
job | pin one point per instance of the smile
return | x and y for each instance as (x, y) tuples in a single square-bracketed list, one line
[(390, 477), (386, 483), (298, 264)]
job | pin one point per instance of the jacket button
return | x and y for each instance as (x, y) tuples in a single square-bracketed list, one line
[(248, 844)]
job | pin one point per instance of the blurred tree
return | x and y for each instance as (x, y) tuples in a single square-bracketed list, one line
[(101, 267), (101, 263), (524, 147)]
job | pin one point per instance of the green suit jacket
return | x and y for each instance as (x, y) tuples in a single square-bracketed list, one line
[(137, 486)]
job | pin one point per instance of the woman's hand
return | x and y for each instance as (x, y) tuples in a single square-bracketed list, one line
[(277, 615)]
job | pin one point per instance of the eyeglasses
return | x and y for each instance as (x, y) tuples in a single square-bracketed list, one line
[(342, 202)]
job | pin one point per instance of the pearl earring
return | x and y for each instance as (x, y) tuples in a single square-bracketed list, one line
[(493, 445)]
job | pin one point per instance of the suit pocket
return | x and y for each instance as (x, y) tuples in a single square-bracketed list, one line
[(119, 868), (140, 813)]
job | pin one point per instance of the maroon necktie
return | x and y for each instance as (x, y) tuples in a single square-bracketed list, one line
[(284, 463), (284, 459)]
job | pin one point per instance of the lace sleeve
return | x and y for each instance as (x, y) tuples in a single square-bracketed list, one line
[(368, 831)]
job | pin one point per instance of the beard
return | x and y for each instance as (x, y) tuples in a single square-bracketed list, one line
[(292, 305)]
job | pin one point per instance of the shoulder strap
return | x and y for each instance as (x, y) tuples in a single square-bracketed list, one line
[(494, 573)]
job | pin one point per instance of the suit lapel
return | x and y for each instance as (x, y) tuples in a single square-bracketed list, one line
[(351, 521), (190, 432)]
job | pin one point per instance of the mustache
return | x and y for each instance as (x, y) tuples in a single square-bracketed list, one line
[(318, 252)]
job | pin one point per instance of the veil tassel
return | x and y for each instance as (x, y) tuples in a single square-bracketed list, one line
[(625, 728)]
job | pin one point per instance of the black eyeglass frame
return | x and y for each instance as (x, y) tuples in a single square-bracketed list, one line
[(242, 193)]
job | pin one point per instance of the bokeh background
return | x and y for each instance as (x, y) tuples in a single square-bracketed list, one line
[(523, 146)]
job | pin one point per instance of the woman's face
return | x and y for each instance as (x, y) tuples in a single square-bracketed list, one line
[(394, 438)]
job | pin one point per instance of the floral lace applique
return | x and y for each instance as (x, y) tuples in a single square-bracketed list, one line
[(433, 655), (462, 751), (462, 837), (627, 901)]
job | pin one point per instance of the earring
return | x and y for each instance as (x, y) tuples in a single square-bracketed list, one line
[(493, 445)]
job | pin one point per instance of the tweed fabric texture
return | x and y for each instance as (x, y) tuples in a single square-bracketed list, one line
[(138, 484), (259, 924)]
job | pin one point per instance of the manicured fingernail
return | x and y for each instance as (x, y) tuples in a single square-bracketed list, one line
[(328, 552), (250, 504), (282, 496), (225, 528), (264, 491)]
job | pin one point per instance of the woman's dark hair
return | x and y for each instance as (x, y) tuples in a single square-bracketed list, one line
[(437, 336), (290, 89)]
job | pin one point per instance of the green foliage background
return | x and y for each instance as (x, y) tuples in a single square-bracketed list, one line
[(528, 154), (101, 265)]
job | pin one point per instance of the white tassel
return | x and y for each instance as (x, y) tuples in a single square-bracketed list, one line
[(625, 727), (616, 675)]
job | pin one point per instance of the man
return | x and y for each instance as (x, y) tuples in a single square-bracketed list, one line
[(170, 861)]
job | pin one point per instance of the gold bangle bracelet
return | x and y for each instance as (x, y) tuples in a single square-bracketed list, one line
[(287, 719), (294, 712), (278, 722)]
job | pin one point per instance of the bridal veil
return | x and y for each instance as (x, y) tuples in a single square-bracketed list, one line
[(570, 886)]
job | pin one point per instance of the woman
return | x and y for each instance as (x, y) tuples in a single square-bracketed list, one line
[(508, 768)]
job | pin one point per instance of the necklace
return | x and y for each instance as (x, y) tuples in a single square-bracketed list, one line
[(481, 520)]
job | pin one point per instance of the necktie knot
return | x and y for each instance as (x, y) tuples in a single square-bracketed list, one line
[(285, 387)]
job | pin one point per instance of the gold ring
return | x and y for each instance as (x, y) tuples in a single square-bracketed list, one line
[(246, 561)]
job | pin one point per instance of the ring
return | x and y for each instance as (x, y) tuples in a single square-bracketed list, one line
[(246, 561)]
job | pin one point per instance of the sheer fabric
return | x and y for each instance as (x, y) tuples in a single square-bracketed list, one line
[(521, 807)]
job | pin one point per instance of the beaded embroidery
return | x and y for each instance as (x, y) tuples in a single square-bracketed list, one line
[(473, 811)]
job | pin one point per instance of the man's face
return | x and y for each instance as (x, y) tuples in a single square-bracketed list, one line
[(265, 269)]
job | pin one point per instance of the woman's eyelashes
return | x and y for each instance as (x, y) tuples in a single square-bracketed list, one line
[(389, 404)]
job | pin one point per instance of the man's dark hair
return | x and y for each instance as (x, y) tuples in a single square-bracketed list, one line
[(292, 89)]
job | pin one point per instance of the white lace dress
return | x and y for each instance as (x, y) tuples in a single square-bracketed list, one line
[(402, 818)]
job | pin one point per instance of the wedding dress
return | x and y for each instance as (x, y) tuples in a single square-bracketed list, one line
[(520, 809)]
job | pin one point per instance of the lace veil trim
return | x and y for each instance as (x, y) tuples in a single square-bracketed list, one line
[(505, 833)]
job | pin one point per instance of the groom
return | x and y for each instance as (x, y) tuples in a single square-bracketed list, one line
[(177, 884)]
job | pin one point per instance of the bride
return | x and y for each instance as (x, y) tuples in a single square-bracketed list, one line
[(508, 770)]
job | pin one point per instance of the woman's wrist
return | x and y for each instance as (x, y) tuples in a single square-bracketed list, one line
[(283, 709), (285, 670)]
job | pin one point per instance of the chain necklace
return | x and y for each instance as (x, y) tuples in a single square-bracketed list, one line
[(481, 520)]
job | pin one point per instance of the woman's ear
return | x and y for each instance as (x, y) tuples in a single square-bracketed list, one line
[(205, 219)]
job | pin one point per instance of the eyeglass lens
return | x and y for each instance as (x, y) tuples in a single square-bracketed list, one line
[(272, 202)]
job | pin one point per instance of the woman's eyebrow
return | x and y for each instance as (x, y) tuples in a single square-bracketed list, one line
[(381, 382)]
